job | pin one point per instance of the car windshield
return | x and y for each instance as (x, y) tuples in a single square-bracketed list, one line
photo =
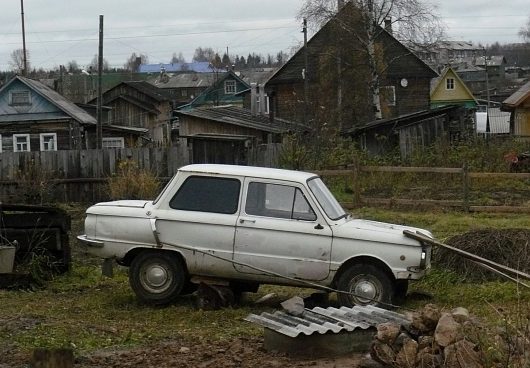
[(328, 202)]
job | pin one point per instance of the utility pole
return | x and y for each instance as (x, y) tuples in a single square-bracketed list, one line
[(487, 91), (25, 70), (306, 74), (99, 128)]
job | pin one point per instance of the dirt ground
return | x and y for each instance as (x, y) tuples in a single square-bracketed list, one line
[(238, 352)]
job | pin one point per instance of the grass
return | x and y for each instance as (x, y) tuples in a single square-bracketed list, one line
[(88, 312)]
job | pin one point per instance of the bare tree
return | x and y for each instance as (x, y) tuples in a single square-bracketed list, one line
[(72, 66), (204, 54), (524, 32), (408, 20), (93, 66), (177, 58), (16, 61), (134, 61)]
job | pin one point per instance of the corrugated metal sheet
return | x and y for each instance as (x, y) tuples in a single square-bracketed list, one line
[(499, 121), (327, 320)]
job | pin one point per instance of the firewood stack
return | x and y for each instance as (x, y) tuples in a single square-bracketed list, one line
[(433, 339)]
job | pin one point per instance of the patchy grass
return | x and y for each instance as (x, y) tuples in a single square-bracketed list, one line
[(88, 312)]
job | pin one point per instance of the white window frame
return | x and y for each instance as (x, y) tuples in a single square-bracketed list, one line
[(110, 139), (230, 87), (0, 143), (449, 85), (27, 92), (42, 143), (15, 142)]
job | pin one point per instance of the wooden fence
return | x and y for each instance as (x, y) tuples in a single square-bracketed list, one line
[(81, 176), (464, 200)]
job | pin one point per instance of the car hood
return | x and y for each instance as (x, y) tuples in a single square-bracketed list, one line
[(377, 231), (124, 203)]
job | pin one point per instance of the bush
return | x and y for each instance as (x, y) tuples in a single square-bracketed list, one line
[(34, 184), (133, 182)]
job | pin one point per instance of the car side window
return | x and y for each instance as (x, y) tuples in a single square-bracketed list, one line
[(280, 201), (207, 194)]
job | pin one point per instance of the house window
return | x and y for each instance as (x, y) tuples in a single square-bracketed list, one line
[(230, 87), (266, 106), (21, 143), (450, 83), (0, 142), (19, 98), (388, 93), (48, 142), (113, 142), (184, 92)]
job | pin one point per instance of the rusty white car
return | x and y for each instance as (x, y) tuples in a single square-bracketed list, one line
[(244, 226)]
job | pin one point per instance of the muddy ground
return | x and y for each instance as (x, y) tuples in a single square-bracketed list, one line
[(239, 352)]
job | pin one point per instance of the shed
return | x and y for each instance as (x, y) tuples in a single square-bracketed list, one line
[(519, 106)]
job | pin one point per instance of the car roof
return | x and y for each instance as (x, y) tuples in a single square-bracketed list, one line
[(249, 171)]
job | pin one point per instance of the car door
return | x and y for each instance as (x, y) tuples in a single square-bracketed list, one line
[(202, 215), (280, 230)]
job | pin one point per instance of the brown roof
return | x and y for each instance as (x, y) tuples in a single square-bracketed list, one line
[(517, 97)]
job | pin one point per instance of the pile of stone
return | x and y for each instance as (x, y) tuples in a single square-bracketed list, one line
[(432, 339)]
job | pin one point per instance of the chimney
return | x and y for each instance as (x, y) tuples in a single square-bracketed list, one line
[(388, 25), (262, 102), (253, 96)]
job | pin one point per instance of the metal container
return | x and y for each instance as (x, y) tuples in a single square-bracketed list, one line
[(7, 259)]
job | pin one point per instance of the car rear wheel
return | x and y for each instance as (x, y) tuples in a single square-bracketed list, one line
[(367, 285), (156, 277)]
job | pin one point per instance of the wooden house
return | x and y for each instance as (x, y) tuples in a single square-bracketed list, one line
[(223, 134), (139, 105), (33, 117), (338, 76), (519, 106), (449, 89), (413, 131), (183, 88), (225, 90)]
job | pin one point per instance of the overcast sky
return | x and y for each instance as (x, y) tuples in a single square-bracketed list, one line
[(59, 31)]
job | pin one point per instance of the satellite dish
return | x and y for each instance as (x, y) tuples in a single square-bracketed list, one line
[(404, 82)]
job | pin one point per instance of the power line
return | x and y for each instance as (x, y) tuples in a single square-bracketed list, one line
[(158, 35)]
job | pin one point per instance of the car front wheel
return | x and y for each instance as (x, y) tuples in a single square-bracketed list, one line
[(367, 285), (156, 277)]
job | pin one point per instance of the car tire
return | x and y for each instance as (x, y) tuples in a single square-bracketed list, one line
[(370, 285), (156, 277)]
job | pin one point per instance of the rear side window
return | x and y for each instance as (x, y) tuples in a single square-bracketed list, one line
[(207, 194)]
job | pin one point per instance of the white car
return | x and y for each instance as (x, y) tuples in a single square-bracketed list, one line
[(244, 226)]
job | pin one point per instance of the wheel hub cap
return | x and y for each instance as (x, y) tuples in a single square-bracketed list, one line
[(365, 291), (156, 276)]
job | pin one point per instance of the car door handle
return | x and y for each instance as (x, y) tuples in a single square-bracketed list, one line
[(242, 221)]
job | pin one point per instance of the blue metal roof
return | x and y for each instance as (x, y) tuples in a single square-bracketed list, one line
[(198, 67)]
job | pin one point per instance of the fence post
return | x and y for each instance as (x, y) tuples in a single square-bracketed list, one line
[(356, 176), (465, 186)]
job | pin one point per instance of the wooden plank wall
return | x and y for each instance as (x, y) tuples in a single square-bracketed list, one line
[(80, 176)]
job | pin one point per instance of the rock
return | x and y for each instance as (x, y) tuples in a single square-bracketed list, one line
[(431, 315), (447, 331), (294, 306), (460, 314), (400, 341), (425, 342), (418, 326), (462, 354), (184, 350), (382, 353), (426, 359), (387, 332), (406, 358)]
